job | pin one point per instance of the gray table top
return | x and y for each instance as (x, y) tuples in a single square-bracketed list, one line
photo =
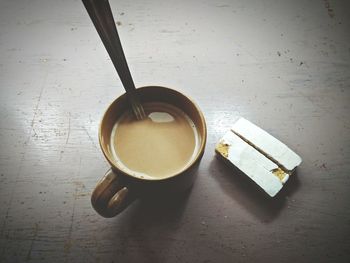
[(283, 65)]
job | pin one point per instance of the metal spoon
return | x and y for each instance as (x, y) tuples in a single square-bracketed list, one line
[(101, 15)]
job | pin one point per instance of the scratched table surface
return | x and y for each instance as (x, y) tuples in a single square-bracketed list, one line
[(284, 65)]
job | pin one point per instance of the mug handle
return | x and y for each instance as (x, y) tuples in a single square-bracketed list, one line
[(111, 196)]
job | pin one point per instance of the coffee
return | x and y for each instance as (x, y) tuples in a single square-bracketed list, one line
[(157, 147)]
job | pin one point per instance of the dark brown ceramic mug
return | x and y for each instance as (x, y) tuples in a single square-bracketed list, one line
[(117, 189)]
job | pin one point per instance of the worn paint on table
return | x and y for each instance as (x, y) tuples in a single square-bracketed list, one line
[(56, 80)]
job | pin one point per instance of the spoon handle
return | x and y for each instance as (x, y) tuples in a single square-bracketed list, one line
[(102, 17)]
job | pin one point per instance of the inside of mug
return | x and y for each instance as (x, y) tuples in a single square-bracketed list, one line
[(151, 94)]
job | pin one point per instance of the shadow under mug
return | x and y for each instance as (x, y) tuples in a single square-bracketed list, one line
[(117, 189)]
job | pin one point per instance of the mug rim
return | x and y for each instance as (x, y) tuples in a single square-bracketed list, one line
[(188, 167)]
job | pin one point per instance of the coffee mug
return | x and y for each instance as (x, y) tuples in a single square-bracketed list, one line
[(121, 184)]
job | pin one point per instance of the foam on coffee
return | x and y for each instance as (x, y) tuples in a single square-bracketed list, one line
[(161, 145)]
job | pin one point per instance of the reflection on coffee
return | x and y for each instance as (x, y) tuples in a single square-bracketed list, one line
[(157, 147)]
